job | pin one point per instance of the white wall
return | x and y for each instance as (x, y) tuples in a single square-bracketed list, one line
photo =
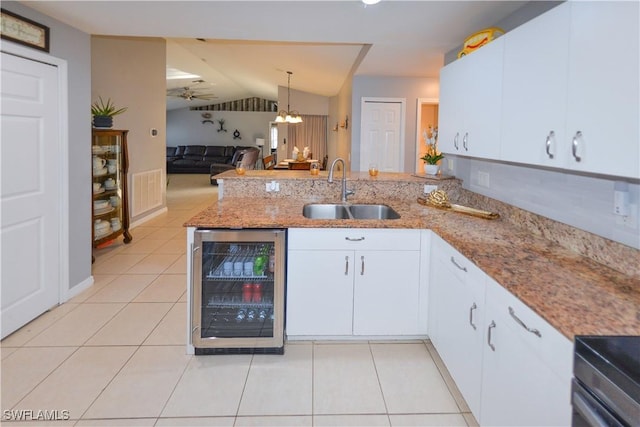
[(390, 87), (185, 127), (131, 71), (74, 46)]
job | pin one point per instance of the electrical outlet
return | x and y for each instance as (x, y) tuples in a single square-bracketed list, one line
[(483, 179), (450, 164), (429, 188), (272, 186)]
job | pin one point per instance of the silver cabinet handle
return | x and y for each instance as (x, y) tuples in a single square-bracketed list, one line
[(491, 326), (455, 140), (362, 268), (351, 239), (521, 323), (574, 146), (346, 266), (453, 260), (473, 307), (465, 140), (550, 137)]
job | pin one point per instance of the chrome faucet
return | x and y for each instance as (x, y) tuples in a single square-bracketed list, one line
[(345, 192)]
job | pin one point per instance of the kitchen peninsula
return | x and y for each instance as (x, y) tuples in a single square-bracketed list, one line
[(500, 303), (575, 294)]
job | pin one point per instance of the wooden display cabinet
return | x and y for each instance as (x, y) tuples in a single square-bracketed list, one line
[(109, 209)]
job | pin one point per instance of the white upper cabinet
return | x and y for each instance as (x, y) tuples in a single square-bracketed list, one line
[(535, 90), (571, 87), (470, 103), (604, 87)]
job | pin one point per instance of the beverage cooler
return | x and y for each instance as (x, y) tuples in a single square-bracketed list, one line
[(237, 291)]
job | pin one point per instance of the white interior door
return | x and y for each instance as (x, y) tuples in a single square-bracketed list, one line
[(382, 140), (29, 191)]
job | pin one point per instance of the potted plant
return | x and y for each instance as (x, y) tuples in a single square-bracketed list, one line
[(103, 113), (432, 156)]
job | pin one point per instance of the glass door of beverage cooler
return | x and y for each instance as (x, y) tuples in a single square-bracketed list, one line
[(238, 291)]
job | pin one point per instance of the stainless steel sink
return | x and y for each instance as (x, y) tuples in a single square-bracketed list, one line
[(325, 211), (373, 212), (342, 211)]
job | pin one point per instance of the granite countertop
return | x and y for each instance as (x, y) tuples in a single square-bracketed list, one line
[(575, 294)]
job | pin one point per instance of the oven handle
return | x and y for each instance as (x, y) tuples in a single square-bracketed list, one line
[(587, 412)]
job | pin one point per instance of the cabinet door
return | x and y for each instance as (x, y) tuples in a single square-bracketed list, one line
[(319, 292), (470, 103), (459, 306), (603, 87), (386, 293), (518, 388), (482, 82), (451, 108), (535, 90)]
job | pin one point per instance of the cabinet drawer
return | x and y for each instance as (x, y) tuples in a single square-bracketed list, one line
[(353, 239), (551, 346), (445, 256)]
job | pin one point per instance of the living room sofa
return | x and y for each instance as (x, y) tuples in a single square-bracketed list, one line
[(198, 158)]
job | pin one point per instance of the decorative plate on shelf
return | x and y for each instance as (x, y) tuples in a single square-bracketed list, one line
[(100, 235), (100, 191), (103, 211), (115, 187)]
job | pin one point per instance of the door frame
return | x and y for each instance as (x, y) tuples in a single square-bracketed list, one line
[(419, 103), (63, 155), (402, 120)]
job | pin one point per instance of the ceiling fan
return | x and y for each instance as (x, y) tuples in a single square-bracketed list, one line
[(191, 93)]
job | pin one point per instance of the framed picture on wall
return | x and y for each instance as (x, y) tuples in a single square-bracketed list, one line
[(22, 30)]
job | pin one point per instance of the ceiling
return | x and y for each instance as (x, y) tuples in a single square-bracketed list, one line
[(249, 45)]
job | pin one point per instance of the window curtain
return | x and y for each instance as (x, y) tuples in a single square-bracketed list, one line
[(312, 133)]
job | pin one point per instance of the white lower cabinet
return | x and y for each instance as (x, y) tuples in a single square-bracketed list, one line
[(527, 366), (319, 293), (456, 304), (511, 366), (343, 282)]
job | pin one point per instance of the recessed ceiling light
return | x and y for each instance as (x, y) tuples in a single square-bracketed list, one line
[(370, 1)]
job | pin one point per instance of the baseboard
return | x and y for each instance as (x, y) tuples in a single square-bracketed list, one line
[(77, 289), (149, 217)]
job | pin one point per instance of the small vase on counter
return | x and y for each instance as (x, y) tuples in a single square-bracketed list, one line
[(431, 169)]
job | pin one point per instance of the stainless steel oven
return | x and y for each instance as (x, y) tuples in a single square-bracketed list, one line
[(606, 384)]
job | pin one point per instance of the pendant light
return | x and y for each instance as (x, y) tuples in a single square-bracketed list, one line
[(288, 116)]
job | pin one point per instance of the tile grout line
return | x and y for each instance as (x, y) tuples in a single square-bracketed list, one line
[(375, 367), (109, 383), (244, 388), (48, 375)]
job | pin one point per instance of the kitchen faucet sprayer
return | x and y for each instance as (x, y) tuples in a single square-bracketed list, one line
[(345, 192)]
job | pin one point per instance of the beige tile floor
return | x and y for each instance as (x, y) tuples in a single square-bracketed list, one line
[(115, 355)]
